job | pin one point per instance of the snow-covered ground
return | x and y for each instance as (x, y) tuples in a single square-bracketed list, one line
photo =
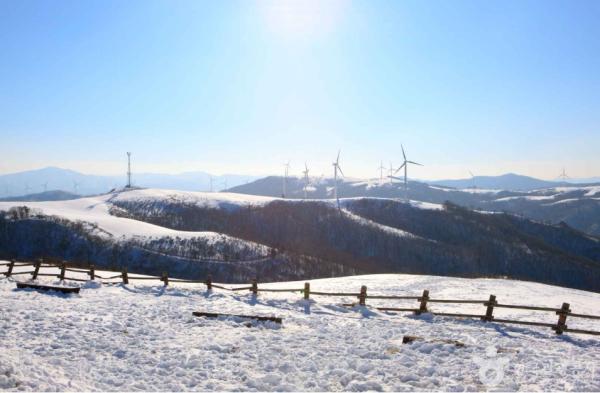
[(96, 210), (144, 337)]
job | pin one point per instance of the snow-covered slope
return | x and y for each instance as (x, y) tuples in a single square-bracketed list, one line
[(142, 337), (96, 210)]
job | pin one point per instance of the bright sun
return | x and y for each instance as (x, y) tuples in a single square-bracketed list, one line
[(302, 19)]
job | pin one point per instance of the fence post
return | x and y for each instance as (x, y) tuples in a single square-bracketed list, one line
[(306, 290), (489, 312), (63, 267), (362, 298), (562, 318), (92, 272), (209, 283), (423, 299), (254, 287), (125, 277), (34, 275), (10, 268), (165, 278)]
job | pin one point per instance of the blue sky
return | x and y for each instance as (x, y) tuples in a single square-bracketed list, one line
[(243, 86)]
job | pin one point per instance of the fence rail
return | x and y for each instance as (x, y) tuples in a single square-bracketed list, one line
[(559, 327)]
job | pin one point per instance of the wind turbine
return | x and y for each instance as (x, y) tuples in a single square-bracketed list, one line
[(473, 179), (391, 175), (75, 186), (336, 168), (405, 166), (381, 169), (45, 186), (211, 183), (285, 176), (27, 188), (306, 180), (563, 176)]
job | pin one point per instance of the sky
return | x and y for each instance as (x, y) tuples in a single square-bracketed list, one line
[(244, 86)]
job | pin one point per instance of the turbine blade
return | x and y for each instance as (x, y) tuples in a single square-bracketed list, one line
[(404, 154), (340, 169), (400, 167), (338, 157), (416, 163)]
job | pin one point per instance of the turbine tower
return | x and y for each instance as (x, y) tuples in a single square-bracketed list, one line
[(381, 169), (45, 186), (336, 168), (405, 166), (75, 186), (128, 169), (391, 175), (306, 180), (285, 176)]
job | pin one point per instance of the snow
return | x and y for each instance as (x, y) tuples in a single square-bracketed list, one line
[(204, 199), (373, 224), (96, 210), (143, 337)]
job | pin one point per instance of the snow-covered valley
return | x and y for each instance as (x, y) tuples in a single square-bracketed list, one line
[(144, 337)]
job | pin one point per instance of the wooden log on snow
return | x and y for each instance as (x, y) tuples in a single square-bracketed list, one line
[(411, 339), (22, 285), (216, 315)]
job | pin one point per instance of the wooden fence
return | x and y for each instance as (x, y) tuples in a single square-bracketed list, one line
[(423, 301)]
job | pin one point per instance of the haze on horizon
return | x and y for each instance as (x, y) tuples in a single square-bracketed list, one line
[(244, 86)]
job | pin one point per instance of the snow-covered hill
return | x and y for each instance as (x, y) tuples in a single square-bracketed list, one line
[(143, 337), (237, 237)]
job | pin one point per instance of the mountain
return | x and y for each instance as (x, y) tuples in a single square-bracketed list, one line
[(577, 205), (55, 195), (509, 181), (238, 237), (24, 183)]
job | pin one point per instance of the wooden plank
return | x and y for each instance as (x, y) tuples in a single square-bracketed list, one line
[(306, 290), (550, 325), (334, 294), (457, 301), (533, 308), (446, 314), (397, 309), (48, 274), (220, 287), (238, 289), (69, 269), (216, 315), (77, 279), (23, 285), (580, 331), (281, 290), (411, 339), (393, 297), (29, 272), (583, 316)]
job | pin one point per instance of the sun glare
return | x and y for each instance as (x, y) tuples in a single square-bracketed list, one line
[(302, 19)]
